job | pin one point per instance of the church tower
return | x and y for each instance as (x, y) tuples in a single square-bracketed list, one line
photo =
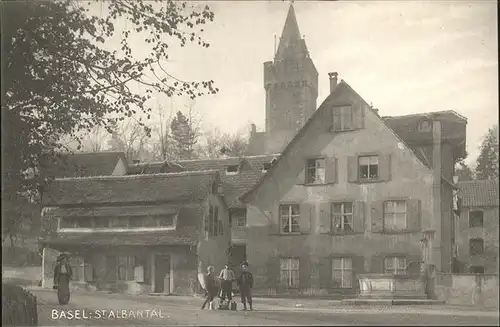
[(290, 81)]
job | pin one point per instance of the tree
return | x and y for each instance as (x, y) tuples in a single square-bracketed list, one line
[(463, 172), (95, 140), (487, 161), (232, 145), (184, 135), (130, 138), (59, 79), (163, 146)]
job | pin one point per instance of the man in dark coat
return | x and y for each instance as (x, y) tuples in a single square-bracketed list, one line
[(62, 277), (245, 283)]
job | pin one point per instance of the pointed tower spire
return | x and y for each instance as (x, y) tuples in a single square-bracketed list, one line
[(290, 37)]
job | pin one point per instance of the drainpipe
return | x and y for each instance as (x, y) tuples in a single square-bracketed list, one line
[(435, 243)]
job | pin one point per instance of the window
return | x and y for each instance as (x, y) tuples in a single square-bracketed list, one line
[(343, 216), (121, 222), (342, 118), (476, 246), (476, 270), (239, 216), (232, 170), (289, 217), (289, 272), (368, 167), (395, 265), (126, 266), (166, 221), (315, 171), (83, 222), (103, 222), (67, 223), (221, 228), (78, 266), (266, 167), (475, 219), (210, 221), (394, 215), (424, 125), (216, 221), (342, 272), (149, 222)]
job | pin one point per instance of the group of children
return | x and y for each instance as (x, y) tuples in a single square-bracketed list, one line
[(226, 277)]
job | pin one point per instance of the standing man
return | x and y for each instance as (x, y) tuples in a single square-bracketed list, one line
[(227, 276), (245, 283)]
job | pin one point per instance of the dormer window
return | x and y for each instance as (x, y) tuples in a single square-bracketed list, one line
[(424, 125), (343, 118), (267, 166), (232, 170)]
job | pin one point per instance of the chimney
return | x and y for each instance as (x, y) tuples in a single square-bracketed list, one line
[(253, 129), (333, 80)]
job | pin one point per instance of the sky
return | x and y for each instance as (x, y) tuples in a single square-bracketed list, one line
[(404, 57)]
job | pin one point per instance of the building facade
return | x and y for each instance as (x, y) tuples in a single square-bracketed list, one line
[(477, 235), (348, 196)]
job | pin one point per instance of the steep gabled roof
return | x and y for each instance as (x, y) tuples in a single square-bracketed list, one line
[(341, 87), (82, 164), (185, 186), (482, 193)]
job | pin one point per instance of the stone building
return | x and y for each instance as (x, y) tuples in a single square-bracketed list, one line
[(477, 234)]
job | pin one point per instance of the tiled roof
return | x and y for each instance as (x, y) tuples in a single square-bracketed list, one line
[(479, 193), (186, 232), (251, 169), (406, 126), (82, 164), (185, 186)]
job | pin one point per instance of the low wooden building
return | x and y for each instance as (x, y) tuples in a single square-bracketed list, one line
[(136, 233)]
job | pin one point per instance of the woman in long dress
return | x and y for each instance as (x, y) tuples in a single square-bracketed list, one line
[(62, 277)]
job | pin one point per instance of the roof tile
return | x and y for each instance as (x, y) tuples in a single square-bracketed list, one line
[(482, 193)]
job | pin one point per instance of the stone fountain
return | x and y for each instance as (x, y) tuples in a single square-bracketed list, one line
[(400, 288)]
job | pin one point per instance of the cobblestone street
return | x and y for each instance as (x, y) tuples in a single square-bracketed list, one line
[(106, 309)]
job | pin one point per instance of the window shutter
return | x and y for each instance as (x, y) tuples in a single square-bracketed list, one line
[(336, 119), (305, 217), (305, 272), (414, 214), (412, 264), (325, 218), (358, 267), (359, 217), (358, 116), (88, 272), (301, 177), (272, 272), (377, 264), (331, 170), (377, 216), (274, 223), (385, 167), (352, 169), (325, 273)]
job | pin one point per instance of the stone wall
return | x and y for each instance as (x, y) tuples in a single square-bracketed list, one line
[(468, 289)]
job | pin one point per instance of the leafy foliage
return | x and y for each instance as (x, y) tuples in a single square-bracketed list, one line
[(487, 161), (58, 78)]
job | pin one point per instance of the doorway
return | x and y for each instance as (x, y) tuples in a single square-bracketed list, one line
[(238, 255), (162, 274)]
